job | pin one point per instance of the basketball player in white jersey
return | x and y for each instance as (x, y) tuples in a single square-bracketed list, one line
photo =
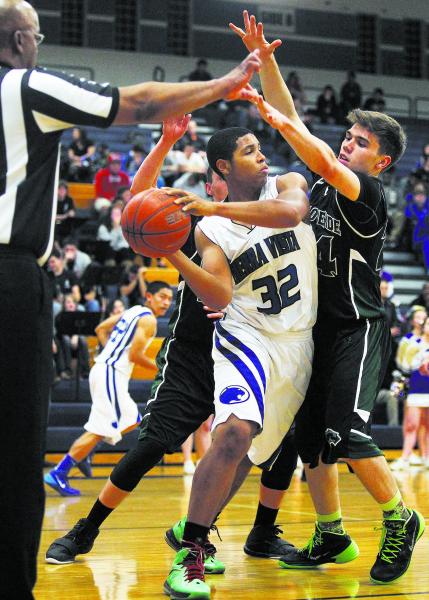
[(259, 266), (125, 338)]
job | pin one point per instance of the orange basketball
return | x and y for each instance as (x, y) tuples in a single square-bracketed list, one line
[(153, 225)]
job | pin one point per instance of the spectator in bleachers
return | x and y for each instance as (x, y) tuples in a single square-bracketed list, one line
[(134, 160), (200, 73), (350, 94), (64, 281), (115, 307), (424, 156), (101, 156), (111, 178), (123, 196), (110, 230), (133, 286), (194, 183), (421, 174), (417, 215), (81, 154), (192, 137), (296, 88), (65, 212), (423, 298), (416, 420), (76, 260), (395, 197), (327, 108), (70, 346), (385, 395), (376, 101), (190, 161)]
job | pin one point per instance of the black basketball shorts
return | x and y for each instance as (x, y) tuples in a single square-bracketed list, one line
[(348, 369), (182, 393)]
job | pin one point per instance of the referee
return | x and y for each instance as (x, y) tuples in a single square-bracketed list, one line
[(35, 106)]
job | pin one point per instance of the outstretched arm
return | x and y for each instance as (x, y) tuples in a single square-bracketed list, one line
[(288, 209), (314, 152), (273, 85), (154, 102), (172, 130)]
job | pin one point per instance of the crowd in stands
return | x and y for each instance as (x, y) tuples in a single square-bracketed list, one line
[(92, 264)]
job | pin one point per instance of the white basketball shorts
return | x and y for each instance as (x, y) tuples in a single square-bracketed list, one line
[(113, 410), (262, 379)]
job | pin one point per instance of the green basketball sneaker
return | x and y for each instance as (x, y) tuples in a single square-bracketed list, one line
[(174, 537), (186, 578), (398, 539), (323, 547)]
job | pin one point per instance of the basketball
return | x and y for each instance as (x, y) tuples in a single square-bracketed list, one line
[(153, 225)]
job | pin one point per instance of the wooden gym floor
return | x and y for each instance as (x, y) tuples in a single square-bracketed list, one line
[(130, 559)]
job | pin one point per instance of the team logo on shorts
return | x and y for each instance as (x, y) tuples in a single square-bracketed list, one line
[(234, 394), (332, 437)]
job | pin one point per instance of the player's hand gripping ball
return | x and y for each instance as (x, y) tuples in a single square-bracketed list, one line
[(153, 225)]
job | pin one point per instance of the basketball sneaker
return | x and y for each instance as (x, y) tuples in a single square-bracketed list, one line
[(398, 539), (174, 537), (78, 540), (85, 466), (60, 483), (186, 578), (323, 547), (264, 541)]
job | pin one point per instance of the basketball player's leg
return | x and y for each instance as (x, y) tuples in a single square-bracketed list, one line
[(401, 526), (322, 478), (264, 540), (179, 406), (106, 387)]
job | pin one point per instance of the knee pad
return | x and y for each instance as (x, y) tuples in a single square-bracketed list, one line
[(136, 463), (280, 475)]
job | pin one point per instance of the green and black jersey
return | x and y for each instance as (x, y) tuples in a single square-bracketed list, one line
[(350, 237), (189, 321)]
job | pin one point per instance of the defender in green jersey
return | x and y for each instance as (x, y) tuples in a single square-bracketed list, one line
[(349, 216)]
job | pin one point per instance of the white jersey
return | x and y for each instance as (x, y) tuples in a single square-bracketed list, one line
[(274, 271), (116, 351)]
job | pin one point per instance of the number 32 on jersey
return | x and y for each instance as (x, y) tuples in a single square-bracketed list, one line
[(278, 293)]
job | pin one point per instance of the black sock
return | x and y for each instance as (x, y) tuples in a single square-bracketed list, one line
[(99, 513), (193, 531), (265, 515)]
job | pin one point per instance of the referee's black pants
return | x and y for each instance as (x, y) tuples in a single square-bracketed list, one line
[(25, 378)]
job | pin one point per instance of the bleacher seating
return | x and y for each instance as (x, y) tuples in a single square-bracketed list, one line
[(67, 416)]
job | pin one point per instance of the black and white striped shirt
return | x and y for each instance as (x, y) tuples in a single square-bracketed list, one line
[(35, 106)]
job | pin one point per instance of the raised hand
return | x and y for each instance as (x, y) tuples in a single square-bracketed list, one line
[(270, 114), (246, 93), (241, 75), (253, 36), (174, 128)]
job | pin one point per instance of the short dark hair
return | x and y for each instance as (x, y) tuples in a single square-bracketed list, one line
[(222, 145), (154, 286), (390, 134)]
